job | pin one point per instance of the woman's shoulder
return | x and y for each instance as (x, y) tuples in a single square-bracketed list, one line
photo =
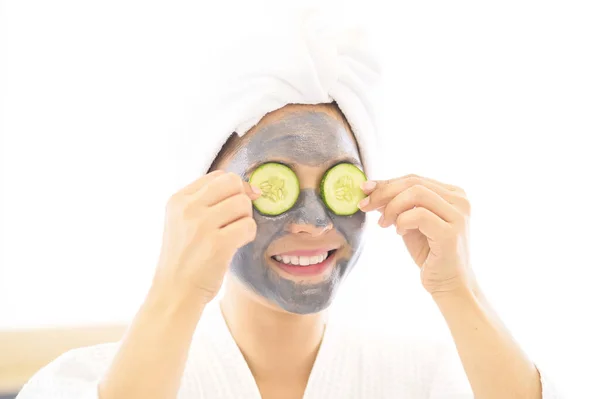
[(75, 372), (86, 362)]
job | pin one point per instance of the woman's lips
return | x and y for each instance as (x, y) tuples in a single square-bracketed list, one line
[(310, 270)]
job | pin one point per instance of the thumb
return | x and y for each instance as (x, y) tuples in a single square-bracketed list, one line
[(252, 191)]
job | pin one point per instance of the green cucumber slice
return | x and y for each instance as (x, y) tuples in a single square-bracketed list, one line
[(340, 188), (279, 185)]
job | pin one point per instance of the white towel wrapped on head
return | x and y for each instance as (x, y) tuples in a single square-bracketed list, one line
[(293, 57)]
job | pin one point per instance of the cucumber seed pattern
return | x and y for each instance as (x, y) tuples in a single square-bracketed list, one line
[(273, 188), (344, 189)]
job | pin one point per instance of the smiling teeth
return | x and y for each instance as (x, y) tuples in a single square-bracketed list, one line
[(302, 260)]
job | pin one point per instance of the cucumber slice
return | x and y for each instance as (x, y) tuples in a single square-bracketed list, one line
[(279, 185), (340, 188)]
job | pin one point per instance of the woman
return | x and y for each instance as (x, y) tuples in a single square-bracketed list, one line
[(285, 248)]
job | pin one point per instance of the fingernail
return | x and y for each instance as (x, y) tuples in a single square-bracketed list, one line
[(367, 185), (363, 203), (380, 220), (255, 189)]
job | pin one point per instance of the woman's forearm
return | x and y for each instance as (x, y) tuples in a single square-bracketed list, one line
[(493, 361), (151, 358)]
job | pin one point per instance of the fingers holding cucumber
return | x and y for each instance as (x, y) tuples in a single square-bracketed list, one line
[(205, 223), (230, 210), (221, 186)]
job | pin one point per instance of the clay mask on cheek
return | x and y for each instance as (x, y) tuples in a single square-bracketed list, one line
[(311, 138)]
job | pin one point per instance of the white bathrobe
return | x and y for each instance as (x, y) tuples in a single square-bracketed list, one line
[(351, 364)]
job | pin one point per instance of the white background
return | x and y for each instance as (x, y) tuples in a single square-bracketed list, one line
[(500, 98)]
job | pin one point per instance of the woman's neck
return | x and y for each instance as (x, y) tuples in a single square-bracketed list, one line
[(275, 344)]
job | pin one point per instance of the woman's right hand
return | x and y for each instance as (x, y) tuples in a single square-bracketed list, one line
[(206, 222)]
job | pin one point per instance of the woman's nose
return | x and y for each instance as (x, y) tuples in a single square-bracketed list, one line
[(310, 215)]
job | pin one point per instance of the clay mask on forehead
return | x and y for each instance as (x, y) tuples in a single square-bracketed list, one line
[(312, 138)]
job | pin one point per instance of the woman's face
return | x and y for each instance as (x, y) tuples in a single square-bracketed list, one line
[(310, 140)]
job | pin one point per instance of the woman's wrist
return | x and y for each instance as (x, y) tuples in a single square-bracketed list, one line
[(171, 300)]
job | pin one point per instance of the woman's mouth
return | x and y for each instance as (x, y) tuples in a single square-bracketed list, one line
[(305, 263)]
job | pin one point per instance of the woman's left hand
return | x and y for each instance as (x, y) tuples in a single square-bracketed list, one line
[(433, 220)]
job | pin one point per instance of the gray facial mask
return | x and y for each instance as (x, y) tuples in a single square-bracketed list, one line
[(311, 138)]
